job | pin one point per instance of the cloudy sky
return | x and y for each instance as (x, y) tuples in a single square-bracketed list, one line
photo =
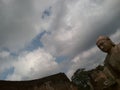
[(43, 37)]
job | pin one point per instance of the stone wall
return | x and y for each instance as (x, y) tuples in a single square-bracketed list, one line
[(103, 79), (54, 82)]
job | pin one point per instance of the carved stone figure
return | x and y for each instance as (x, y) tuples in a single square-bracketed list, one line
[(112, 60)]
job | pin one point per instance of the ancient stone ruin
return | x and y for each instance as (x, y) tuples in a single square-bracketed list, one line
[(54, 82), (103, 79)]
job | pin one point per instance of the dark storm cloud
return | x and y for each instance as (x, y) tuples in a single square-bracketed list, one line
[(16, 22), (107, 25), (77, 28), (104, 29)]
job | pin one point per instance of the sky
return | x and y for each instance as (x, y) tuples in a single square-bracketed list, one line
[(39, 38)]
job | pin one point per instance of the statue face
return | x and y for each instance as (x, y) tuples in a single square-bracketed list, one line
[(105, 45)]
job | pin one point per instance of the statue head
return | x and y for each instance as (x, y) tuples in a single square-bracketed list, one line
[(105, 43)]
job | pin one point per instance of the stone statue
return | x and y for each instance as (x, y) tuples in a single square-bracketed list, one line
[(112, 60)]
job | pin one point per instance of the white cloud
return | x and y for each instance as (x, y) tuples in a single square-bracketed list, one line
[(4, 54), (88, 59), (76, 32), (6, 61), (31, 65), (20, 22), (72, 31), (82, 22)]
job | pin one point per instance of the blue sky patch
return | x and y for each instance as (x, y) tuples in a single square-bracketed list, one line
[(6, 72), (35, 43), (61, 58)]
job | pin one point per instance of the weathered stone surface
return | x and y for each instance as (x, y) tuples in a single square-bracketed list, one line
[(54, 82), (103, 79)]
